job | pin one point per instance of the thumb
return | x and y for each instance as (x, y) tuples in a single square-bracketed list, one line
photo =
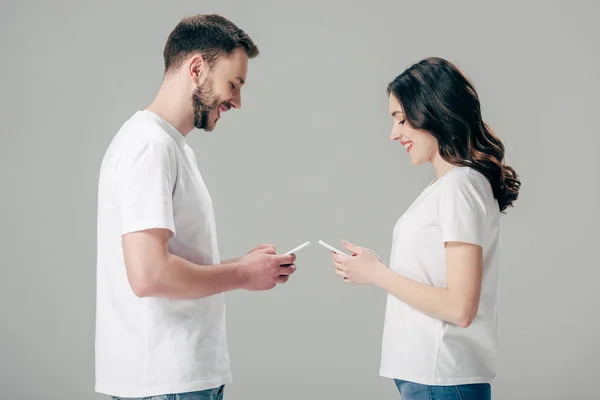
[(349, 246), (265, 250), (264, 246)]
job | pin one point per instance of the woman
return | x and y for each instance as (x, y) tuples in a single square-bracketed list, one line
[(441, 323)]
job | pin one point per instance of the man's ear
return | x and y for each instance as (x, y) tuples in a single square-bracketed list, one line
[(197, 69)]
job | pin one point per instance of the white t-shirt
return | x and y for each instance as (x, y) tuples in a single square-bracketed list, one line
[(460, 206), (149, 178)]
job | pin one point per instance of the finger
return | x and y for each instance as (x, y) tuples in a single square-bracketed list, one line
[(339, 265), (285, 259), (287, 270), (352, 248), (283, 278), (339, 258), (341, 273)]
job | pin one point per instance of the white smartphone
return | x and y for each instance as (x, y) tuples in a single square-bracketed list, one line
[(330, 247), (295, 249)]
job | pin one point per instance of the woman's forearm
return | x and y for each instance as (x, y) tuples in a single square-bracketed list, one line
[(438, 302)]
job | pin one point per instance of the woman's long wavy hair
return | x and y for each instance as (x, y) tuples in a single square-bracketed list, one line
[(437, 98)]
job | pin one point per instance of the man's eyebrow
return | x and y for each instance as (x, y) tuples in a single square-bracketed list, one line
[(241, 80)]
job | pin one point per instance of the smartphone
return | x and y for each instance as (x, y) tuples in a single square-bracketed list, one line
[(330, 247), (295, 249)]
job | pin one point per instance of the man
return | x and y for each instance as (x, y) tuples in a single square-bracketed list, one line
[(160, 328)]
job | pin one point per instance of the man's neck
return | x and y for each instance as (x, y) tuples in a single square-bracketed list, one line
[(170, 105)]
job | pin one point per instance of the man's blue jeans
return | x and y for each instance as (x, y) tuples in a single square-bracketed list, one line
[(416, 391), (209, 394)]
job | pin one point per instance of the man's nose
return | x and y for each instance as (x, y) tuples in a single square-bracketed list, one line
[(236, 101)]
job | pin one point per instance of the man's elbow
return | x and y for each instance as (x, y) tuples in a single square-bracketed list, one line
[(143, 287), (144, 283), (145, 256)]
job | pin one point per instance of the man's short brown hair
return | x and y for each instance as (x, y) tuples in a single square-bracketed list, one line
[(211, 35)]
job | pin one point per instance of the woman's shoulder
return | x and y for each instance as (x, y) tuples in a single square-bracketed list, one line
[(468, 180), (465, 175)]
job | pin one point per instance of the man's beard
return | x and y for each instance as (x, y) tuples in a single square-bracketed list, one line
[(204, 105)]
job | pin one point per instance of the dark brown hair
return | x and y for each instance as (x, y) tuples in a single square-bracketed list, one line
[(211, 35), (437, 98)]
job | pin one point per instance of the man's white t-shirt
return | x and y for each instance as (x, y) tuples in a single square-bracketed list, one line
[(149, 178), (459, 206)]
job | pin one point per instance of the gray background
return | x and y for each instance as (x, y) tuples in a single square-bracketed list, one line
[(306, 158)]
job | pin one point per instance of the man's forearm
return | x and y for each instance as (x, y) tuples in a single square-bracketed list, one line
[(231, 260), (182, 279)]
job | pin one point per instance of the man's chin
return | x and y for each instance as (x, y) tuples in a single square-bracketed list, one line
[(208, 126), (211, 125)]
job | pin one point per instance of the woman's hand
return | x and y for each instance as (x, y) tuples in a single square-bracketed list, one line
[(362, 267)]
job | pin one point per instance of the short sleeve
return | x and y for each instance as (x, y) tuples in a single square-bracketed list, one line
[(462, 211), (145, 179)]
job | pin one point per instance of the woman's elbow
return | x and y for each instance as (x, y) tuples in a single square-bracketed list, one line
[(464, 322), (465, 315)]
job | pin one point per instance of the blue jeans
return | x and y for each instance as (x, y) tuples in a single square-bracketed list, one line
[(209, 394), (416, 391)]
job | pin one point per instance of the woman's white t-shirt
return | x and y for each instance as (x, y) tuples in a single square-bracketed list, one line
[(459, 206)]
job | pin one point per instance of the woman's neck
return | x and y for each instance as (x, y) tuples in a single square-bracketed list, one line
[(441, 166)]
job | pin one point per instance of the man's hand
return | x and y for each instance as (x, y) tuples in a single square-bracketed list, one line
[(269, 248), (263, 269)]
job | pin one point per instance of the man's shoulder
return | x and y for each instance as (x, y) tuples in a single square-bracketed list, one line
[(140, 141), (141, 130), (140, 136)]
